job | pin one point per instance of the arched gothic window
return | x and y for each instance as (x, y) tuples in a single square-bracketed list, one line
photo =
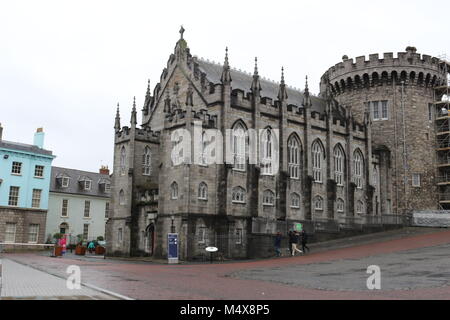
[(318, 203), (268, 198), (294, 157), (340, 205), (203, 191), (121, 197), (359, 207), (267, 145), (174, 190), (358, 168), (238, 195), (339, 163), (239, 146), (123, 160), (317, 155), (146, 162), (295, 200)]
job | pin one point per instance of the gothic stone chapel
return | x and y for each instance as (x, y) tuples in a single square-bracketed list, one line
[(339, 156)]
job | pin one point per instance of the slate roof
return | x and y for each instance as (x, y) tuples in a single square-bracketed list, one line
[(74, 185), (243, 81), (24, 147)]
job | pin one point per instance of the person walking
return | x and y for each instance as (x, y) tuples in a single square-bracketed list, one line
[(278, 238), (304, 237), (295, 241), (291, 240), (91, 246)]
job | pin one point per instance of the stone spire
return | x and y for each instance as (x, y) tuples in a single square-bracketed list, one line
[(147, 94), (117, 122), (282, 93), (226, 75), (306, 98), (133, 113), (148, 98), (256, 85)]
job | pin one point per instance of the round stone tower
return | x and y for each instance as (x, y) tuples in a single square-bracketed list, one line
[(399, 95)]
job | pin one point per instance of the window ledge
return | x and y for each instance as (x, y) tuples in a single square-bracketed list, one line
[(37, 177)]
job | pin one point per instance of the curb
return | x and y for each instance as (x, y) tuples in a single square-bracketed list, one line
[(0, 277), (87, 285)]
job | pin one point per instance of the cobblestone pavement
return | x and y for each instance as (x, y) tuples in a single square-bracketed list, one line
[(23, 282), (414, 266)]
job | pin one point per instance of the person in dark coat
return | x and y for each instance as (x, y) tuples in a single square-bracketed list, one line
[(278, 238), (304, 237), (291, 240)]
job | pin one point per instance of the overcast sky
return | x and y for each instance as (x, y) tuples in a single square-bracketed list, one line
[(64, 65)]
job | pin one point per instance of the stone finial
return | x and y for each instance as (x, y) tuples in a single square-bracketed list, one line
[(181, 32), (306, 97), (226, 75), (117, 120), (133, 113), (255, 72), (256, 85), (282, 93)]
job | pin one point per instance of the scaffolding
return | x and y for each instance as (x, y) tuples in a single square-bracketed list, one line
[(442, 106)]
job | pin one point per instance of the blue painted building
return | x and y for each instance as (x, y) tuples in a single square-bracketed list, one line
[(25, 172)]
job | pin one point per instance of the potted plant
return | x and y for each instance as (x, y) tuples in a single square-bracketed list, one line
[(57, 252), (99, 249), (80, 249)]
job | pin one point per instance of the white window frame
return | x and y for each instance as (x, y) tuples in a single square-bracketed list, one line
[(238, 195), (174, 191), (146, 162), (65, 182), (36, 198), (87, 209), (416, 180), (87, 184), (294, 157), (239, 147), (14, 194), (379, 110), (16, 168), (339, 161), (39, 171), (203, 191), (65, 208), (358, 169), (86, 231), (318, 203), (267, 152), (33, 235), (10, 232), (268, 198), (340, 205), (295, 200), (317, 154), (107, 187), (239, 235), (107, 208)]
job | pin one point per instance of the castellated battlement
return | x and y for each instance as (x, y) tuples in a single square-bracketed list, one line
[(145, 134), (408, 67), (179, 117)]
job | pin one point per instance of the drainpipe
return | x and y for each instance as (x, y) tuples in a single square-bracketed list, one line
[(404, 145)]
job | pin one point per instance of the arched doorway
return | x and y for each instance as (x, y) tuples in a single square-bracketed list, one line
[(64, 228), (150, 239)]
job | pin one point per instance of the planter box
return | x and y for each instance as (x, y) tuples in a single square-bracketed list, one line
[(81, 251), (58, 251), (99, 250)]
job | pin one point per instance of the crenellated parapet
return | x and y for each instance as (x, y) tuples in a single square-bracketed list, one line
[(179, 117), (144, 134), (409, 68)]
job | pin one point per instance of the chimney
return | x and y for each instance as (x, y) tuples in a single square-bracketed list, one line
[(104, 170), (1, 132), (39, 138)]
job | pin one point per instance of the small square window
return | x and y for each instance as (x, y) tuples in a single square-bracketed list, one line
[(39, 171), (16, 167), (416, 180)]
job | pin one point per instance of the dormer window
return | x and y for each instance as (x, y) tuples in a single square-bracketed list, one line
[(62, 180), (85, 183), (105, 185)]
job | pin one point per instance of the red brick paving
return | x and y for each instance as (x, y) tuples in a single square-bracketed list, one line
[(212, 281)]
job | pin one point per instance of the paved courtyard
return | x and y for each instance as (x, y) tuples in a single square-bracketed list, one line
[(414, 265)]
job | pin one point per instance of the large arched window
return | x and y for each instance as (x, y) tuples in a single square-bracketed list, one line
[(146, 162), (317, 155), (295, 200), (267, 148), (203, 191), (268, 198), (239, 146), (121, 197), (174, 190), (358, 168), (238, 195), (340, 205), (294, 157), (123, 160), (339, 163)]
